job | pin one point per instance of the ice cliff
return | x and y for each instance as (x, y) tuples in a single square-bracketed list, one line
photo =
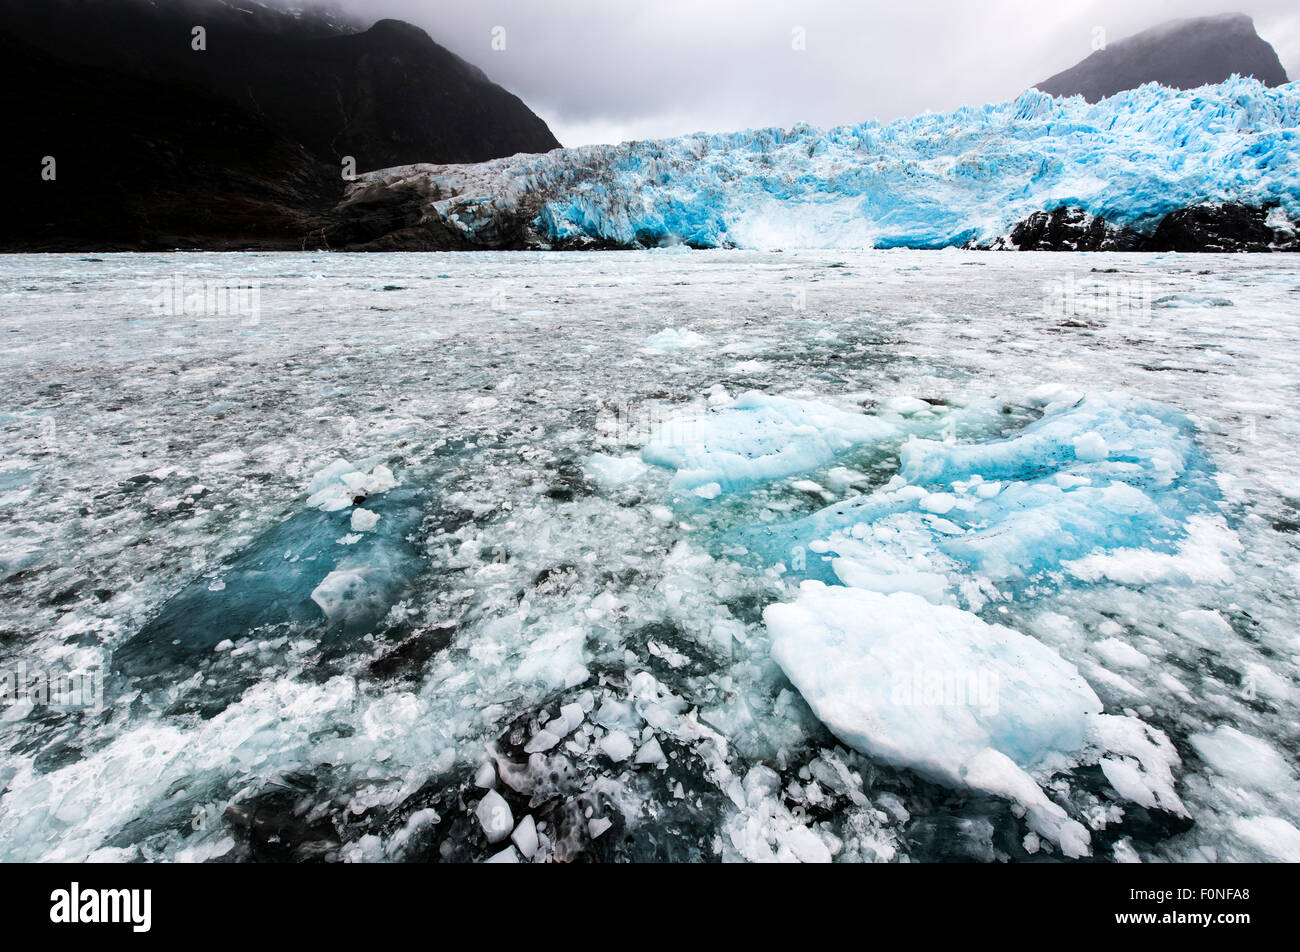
[(964, 178)]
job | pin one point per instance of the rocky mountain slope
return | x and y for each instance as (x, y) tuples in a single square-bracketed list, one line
[(1183, 54), (240, 144)]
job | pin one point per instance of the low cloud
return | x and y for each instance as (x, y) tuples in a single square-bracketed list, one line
[(600, 71)]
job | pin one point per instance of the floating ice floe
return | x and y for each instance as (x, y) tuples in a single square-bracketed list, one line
[(672, 339), (1083, 490), (1240, 758), (756, 439), (611, 472), (938, 690), (339, 484)]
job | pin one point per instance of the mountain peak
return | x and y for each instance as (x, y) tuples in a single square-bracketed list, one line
[(398, 30), (1182, 54)]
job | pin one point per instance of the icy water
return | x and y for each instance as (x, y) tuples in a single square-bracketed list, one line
[(668, 547)]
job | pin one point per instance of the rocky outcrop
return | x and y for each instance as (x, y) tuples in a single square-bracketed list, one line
[(1219, 228), (1183, 54), (1072, 229), (1207, 229)]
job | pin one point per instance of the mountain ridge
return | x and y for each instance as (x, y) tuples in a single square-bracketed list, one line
[(134, 115), (1182, 54)]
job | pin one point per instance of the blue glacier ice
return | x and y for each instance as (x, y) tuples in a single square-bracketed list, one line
[(313, 572), (884, 640), (1104, 473), (935, 180)]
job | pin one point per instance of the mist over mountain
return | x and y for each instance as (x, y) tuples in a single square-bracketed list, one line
[(1183, 54)]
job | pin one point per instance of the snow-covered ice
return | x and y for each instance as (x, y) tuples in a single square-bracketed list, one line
[(443, 559)]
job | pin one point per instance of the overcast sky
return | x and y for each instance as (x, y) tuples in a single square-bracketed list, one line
[(611, 70)]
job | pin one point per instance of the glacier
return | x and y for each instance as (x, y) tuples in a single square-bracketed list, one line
[(963, 178)]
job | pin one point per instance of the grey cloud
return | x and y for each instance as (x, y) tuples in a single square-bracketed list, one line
[(604, 71)]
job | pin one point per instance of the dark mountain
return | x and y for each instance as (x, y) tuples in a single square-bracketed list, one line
[(146, 165), (1183, 54), (238, 145)]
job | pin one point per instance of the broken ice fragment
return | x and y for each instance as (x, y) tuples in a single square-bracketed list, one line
[(617, 746), (494, 816), (525, 837), (651, 753)]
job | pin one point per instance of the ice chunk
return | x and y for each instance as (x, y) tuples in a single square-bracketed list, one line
[(571, 715), (555, 659), (525, 837), (907, 406), (840, 478), (1139, 761), (1271, 835), (339, 484), (927, 686), (494, 816), (942, 692), (616, 745), (329, 474), (651, 753), (1120, 654), (757, 439), (939, 503), (354, 591), (611, 472), (935, 689), (543, 740), (363, 520), (807, 486), (1243, 759), (674, 339)]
